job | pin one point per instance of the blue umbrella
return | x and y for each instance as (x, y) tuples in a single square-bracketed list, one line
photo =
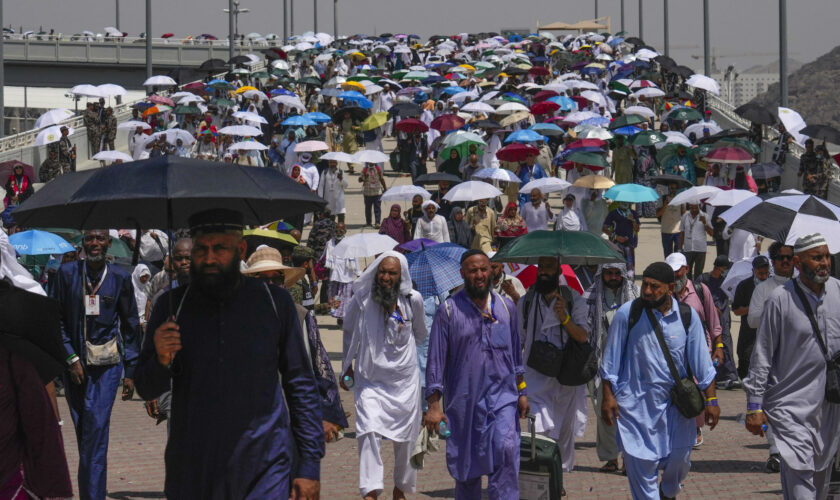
[(591, 70), (356, 98), (35, 242), (436, 269), (627, 130), (615, 41), (516, 97), (565, 103), (547, 129), (525, 135), (631, 193), (318, 117), (433, 79), (596, 121), (275, 92), (298, 121), (452, 90)]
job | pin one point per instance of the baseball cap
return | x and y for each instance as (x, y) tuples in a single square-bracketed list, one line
[(676, 260), (760, 261), (722, 261)]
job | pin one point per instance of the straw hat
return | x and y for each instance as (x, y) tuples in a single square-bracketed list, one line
[(266, 258)]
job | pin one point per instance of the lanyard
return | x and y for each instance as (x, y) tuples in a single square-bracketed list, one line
[(486, 314), (396, 316), (90, 287)]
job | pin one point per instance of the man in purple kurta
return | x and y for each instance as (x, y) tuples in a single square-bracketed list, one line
[(475, 362)]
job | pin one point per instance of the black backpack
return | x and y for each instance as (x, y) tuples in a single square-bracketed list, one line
[(636, 310)]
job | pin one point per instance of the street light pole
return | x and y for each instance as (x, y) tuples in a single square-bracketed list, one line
[(596, 9), (641, 20), (707, 61), (783, 74), (231, 30), (335, 18), (292, 17), (665, 24), (315, 11), (149, 38), (622, 15), (118, 15), (285, 21)]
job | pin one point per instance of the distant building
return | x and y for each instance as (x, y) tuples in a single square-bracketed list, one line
[(744, 87)]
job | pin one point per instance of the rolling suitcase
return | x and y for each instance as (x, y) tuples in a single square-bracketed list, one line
[(540, 466)]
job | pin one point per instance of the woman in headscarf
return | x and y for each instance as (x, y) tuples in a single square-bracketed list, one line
[(646, 167), (452, 164), (298, 176), (459, 231), (431, 226), (18, 187), (394, 226), (510, 225), (140, 279)]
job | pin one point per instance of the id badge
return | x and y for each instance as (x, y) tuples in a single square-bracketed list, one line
[(92, 305)]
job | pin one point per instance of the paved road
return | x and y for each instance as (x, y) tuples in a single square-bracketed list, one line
[(728, 465)]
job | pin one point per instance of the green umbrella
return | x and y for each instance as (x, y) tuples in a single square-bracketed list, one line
[(221, 84), (118, 247), (310, 80), (260, 74), (399, 74), (625, 120), (187, 110), (685, 114), (224, 103), (591, 159), (463, 150), (648, 138), (240, 71), (279, 72), (744, 144), (620, 87), (671, 149), (571, 247)]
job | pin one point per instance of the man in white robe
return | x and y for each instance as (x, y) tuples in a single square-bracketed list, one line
[(331, 188), (383, 324)]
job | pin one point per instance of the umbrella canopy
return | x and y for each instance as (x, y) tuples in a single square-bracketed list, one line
[(694, 195), (436, 177), (787, 218), (405, 109), (472, 191), (375, 121), (53, 117), (594, 182), (356, 113), (648, 138), (824, 132), (35, 242), (270, 237), (370, 156), (418, 244), (570, 247), (8, 167), (591, 160), (685, 114), (756, 113), (240, 130), (765, 170), (447, 122), (337, 156), (730, 154), (625, 120), (436, 269), (311, 146), (411, 125), (405, 192), (164, 192), (297, 121), (133, 124), (50, 135), (498, 174), (729, 197), (545, 185), (516, 152), (666, 179), (159, 81), (631, 193), (110, 155), (364, 245)]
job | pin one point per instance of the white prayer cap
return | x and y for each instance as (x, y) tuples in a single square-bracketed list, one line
[(806, 243)]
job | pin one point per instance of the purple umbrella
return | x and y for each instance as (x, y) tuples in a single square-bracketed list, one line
[(418, 244)]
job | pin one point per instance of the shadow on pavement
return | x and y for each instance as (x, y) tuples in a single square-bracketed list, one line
[(126, 495), (728, 466)]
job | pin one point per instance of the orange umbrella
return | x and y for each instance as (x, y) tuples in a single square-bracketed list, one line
[(160, 108)]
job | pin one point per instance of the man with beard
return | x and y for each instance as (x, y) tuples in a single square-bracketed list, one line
[(786, 385), (475, 364), (101, 333), (637, 382), (504, 285), (384, 322), (611, 289), (781, 257), (555, 313), (232, 351)]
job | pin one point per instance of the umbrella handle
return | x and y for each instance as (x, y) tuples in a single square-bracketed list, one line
[(135, 258)]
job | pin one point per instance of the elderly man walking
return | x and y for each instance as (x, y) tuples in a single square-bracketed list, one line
[(638, 377), (475, 365), (383, 324), (792, 393)]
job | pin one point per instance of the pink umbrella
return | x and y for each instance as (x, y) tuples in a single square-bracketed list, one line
[(8, 167), (159, 99), (730, 154)]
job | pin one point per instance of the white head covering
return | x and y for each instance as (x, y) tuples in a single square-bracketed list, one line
[(363, 286), (10, 268), (140, 289)]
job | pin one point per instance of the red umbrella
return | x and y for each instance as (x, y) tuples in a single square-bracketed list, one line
[(730, 154), (544, 94), (544, 108), (448, 122), (411, 125), (194, 86), (167, 35), (586, 143), (582, 102), (539, 71), (516, 152), (7, 167), (159, 99)]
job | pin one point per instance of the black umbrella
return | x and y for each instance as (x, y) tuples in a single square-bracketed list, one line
[(723, 134), (683, 71), (240, 59), (487, 124), (665, 62), (164, 192), (756, 113), (213, 65), (436, 177), (824, 132), (405, 109), (634, 41), (356, 113), (513, 70), (32, 329), (666, 179), (310, 80)]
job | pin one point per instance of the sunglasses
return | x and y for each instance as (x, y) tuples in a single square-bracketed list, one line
[(783, 257)]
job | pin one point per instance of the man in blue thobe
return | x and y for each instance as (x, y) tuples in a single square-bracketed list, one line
[(527, 172), (97, 307), (636, 385), (475, 362), (234, 357)]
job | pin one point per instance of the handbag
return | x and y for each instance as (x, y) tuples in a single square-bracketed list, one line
[(685, 394), (546, 358), (579, 364), (106, 354), (832, 364)]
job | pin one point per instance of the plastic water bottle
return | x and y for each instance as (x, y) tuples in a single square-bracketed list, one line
[(444, 431), (715, 362), (742, 419), (348, 381)]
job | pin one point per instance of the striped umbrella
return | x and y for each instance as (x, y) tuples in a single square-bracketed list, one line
[(436, 269)]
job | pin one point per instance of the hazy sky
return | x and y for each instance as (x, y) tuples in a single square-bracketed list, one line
[(744, 32)]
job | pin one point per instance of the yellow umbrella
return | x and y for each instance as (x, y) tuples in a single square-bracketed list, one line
[(513, 118), (375, 120), (357, 55), (594, 182), (353, 86), (596, 65), (503, 75), (245, 88), (467, 67)]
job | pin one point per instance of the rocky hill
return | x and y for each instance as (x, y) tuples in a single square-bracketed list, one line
[(773, 67), (812, 90)]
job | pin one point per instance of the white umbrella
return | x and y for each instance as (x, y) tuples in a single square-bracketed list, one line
[(182, 94), (280, 64), (579, 116), (704, 82), (477, 107), (337, 156), (510, 108), (111, 31), (649, 92), (310, 146), (159, 81), (250, 94), (737, 273), (730, 197), (172, 136), (793, 123), (694, 195), (405, 192), (240, 130), (590, 132), (640, 110), (594, 96), (50, 135), (111, 89), (697, 129), (86, 90), (248, 146), (498, 174), (370, 156), (112, 156), (52, 117), (545, 185), (289, 101), (250, 117), (646, 54), (133, 124), (364, 245), (471, 191), (674, 137)]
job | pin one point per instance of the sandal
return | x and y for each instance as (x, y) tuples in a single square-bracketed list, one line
[(611, 467)]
